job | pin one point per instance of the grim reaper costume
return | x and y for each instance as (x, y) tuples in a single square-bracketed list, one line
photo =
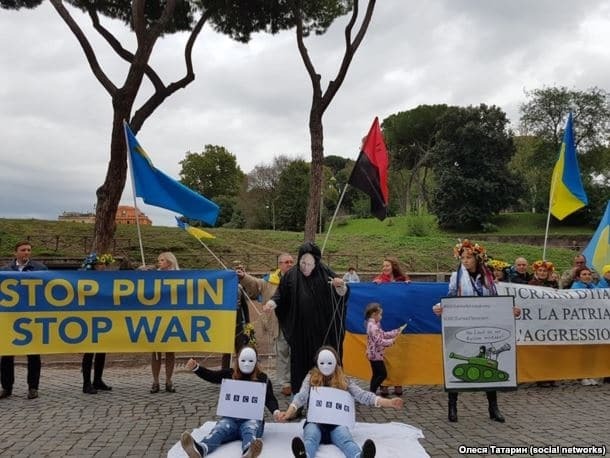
[(310, 311)]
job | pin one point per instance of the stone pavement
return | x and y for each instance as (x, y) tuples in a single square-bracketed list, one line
[(129, 421)]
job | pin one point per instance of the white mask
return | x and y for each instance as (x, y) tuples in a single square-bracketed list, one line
[(246, 360), (327, 363), (307, 263)]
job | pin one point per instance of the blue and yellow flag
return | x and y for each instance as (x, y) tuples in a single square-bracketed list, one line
[(158, 189), (194, 231), (597, 251), (567, 192)]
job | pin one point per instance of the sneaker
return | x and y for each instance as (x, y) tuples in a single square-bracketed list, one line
[(286, 390), (398, 390), (298, 448), (255, 449), (32, 393), (189, 445), (384, 391), (596, 381), (587, 382), (368, 449), (5, 393)]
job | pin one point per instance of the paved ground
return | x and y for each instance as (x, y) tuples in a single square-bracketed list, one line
[(128, 421)]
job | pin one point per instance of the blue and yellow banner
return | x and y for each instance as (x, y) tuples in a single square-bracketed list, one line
[(416, 356), (117, 311)]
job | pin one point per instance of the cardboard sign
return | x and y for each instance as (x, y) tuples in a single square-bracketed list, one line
[(242, 399), (331, 406), (479, 342)]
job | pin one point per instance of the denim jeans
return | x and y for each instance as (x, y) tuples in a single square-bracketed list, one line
[(340, 436), (229, 429)]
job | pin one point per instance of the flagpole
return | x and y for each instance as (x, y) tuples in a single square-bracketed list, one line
[(548, 217), (212, 253), (330, 226), (133, 190), (241, 288)]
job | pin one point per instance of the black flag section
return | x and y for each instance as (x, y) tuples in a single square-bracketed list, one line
[(370, 173)]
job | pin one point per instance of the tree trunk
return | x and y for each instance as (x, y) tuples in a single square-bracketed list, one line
[(316, 132), (110, 192)]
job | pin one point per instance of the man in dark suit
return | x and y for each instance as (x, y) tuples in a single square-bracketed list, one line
[(21, 263)]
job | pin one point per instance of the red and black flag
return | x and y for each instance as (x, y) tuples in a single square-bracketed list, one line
[(370, 174)]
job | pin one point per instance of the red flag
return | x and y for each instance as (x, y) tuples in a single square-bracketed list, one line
[(370, 174)]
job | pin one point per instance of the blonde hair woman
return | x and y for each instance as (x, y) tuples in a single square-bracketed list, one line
[(165, 261)]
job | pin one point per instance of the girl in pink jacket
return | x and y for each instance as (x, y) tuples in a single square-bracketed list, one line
[(377, 341)]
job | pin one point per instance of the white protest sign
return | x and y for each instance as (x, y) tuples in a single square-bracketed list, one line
[(331, 406), (560, 317), (479, 342), (242, 399)]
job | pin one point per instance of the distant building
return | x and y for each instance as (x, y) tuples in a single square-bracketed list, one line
[(124, 215), (76, 217), (127, 215)]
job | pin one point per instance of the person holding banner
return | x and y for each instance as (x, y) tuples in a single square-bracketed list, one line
[(229, 429), (165, 261), (97, 361), (329, 373), (391, 272), (472, 278), (583, 279), (21, 263), (265, 289), (543, 270)]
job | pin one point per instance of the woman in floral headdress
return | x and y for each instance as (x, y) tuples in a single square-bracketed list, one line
[(472, 278), (498, 268), (97, 361), (543, 271)]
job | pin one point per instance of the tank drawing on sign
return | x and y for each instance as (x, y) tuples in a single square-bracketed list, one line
[(482, 367)]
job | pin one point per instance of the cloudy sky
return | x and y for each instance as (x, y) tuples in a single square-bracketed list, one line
[(254, 99)]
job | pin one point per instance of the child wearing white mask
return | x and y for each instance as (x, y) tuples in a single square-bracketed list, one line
[(328, 372), (228, 429)]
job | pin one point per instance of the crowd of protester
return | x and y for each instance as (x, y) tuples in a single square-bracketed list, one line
[(305, 315)]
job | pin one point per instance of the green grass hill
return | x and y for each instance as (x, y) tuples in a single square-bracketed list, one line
[(363, 243)]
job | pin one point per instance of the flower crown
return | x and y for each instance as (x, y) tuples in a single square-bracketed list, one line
[(496, 264), (548, 265), (467, 246)]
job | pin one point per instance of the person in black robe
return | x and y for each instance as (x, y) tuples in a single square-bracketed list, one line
[(310, 307)]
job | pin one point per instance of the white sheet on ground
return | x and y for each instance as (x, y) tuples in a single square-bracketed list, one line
[(391, 439)]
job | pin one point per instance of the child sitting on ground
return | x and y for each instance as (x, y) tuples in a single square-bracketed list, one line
[(229, 429), (329, 373)]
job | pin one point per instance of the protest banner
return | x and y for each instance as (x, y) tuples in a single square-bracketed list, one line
[(45, 312)]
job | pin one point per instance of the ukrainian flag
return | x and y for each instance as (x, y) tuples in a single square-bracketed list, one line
[(160, 190), (597, 251), (194, 231), (567, 192)]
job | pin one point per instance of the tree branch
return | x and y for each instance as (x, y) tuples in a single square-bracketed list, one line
[(315, 77), (86, 47), (161, 94), (120, 50), (350, 50)]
